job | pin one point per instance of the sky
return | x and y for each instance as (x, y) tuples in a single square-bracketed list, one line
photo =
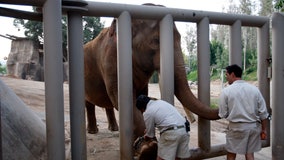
[(7, 26)]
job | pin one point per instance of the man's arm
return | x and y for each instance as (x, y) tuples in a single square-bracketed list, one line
[(263, 133)]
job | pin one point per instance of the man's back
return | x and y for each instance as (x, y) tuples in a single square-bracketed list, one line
[(161, 114), (243, 101)]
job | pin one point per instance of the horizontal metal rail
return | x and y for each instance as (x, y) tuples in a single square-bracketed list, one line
[(24, 2), (101, 9), (185, 15), (7, 12)]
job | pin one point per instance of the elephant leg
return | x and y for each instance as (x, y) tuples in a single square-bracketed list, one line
[(139, 124), (112, 124), (91, 117)]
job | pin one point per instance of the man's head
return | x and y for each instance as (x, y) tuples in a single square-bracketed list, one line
[(142, 101), (233, 72)]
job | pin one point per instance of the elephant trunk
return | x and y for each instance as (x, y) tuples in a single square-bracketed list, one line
[(189, 101), (185, 95)]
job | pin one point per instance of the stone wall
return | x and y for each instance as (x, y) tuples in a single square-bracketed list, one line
[(25, 60)]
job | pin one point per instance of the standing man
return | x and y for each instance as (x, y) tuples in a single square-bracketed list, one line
[(174, 139), (244, 107)]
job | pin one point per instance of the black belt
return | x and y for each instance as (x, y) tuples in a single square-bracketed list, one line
[(172, 128)]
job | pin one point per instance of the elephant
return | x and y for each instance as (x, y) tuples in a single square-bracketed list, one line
[(100, 64)]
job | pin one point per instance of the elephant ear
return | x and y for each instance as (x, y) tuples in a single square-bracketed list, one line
[(112, 28)]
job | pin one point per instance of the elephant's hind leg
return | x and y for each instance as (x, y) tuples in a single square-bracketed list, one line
[(91, 117), (112, 124)]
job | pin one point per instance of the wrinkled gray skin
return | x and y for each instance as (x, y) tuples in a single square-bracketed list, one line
[(101, 73)]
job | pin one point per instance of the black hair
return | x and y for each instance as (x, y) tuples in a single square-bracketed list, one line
[(237, 70), (142, 101)]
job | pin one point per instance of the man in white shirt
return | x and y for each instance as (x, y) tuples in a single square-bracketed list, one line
[(244, 107), (174, 139)]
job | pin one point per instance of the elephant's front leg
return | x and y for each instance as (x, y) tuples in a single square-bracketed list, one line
[(91, 117), (112, 124)]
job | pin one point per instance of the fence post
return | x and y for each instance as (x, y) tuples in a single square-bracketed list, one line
[(1, 154), (53, 75), (277, 86), (235, 56), (263, 69), (76, 86), (167, 59), (203, 53), (125, 97)]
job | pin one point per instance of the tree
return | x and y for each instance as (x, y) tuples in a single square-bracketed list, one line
[(266, 7), (34, 30), (191, 46), (279, 5), (2, 69), (92, 26), (232, 7), (218, 55)]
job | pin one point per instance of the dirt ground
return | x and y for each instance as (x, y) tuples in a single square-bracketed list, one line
[(105, 144)]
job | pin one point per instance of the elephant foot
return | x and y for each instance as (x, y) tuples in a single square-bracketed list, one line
[(92, 130), (113, 127)]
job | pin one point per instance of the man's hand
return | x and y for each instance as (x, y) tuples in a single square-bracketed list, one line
[(263, 135)]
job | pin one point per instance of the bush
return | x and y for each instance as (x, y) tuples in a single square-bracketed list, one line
[(2, 69), (192, 76), (251, 76)]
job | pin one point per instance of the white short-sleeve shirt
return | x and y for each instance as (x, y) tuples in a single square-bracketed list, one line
[(161, 114), (242, 102)]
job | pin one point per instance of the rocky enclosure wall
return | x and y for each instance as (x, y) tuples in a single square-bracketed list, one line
[(25, 60)]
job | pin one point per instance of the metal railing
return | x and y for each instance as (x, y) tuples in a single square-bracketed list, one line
[(75, 9)]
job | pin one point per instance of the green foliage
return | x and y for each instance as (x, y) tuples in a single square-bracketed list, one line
[(33, 29), (192, 62), (215, 74), (2, 69), (266, 7), (92, 26), (154, 78), (250, 74), (192, 76), (218, 55), (279, 5), (251, 62)]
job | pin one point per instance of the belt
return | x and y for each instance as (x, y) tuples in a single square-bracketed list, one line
[(172, 128)]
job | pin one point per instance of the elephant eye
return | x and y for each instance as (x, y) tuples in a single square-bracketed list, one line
[(156, 41)]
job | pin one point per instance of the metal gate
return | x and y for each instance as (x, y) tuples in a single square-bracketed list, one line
[(75, 9)]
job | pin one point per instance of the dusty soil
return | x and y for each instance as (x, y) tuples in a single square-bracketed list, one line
[(105, 144)]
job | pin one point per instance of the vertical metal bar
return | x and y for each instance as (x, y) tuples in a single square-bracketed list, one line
[(76, 86), (263, 66), (277, 86), (235, 56), (167, 59), (53, 75), (1, 157), (125, 100), (203, 53)]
